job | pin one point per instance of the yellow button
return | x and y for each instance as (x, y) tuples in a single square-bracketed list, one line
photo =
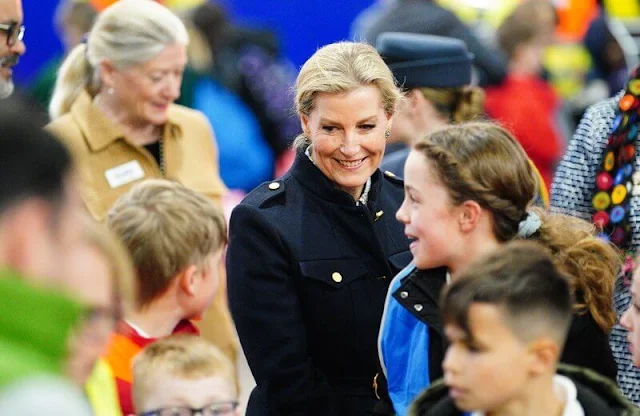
[(389, 174), (337, 277), (274, 185)]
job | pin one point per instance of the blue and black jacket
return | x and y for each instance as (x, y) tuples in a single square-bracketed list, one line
[(411, 344)]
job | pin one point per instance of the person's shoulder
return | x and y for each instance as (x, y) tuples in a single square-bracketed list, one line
[(66, 129), (605, 109), (392, 178), (434, 401), (596, 393), (185, 116), (394, 162), (269, 194)]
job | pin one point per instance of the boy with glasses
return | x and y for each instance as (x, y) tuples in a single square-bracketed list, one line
[(11, 45), (184, 376)]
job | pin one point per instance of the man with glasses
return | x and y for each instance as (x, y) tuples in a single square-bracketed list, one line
[(11, 45)]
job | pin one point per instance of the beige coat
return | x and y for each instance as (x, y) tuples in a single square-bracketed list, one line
[(109, 165)]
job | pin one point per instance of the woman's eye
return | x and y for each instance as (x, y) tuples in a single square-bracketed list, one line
[(328, 129), (368, 126)]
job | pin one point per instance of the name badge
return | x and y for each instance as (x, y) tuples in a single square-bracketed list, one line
[(124, 174)]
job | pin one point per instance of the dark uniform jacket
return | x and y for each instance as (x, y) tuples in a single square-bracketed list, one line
[(597, 395), (308, 272)]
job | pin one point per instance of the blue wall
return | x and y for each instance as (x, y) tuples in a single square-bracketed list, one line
[(301, 25)]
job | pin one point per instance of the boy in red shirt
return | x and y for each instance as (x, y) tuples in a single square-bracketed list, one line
[(524, 103), (176, 238)]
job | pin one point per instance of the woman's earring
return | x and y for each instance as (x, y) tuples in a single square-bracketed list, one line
[(387, 134), (110, 91)]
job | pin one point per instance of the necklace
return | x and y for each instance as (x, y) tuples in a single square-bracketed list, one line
[(162, 167)]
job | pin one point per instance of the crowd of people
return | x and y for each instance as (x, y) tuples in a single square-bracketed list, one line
[(416, 241)]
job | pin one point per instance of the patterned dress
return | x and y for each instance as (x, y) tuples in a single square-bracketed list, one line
[(572, 191)]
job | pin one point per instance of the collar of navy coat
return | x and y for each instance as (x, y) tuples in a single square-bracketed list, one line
[(312, 178)]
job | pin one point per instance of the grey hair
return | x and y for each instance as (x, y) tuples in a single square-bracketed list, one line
[(127, 33)]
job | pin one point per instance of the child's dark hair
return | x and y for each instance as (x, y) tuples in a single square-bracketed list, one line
[(521, 280)]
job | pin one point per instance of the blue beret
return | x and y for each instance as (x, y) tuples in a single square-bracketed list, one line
[(426, 60)]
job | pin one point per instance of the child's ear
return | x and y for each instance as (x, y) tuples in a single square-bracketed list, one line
[(470, 213), (545, 353), (190, 280)]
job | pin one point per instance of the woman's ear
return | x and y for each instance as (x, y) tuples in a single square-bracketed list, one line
[(304, 123), (470, 214), (107, 73)]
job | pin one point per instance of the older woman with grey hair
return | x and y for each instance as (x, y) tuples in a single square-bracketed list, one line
[(113, 106)]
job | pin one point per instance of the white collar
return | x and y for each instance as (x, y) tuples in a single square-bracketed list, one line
[(566, 390), (138, 330)]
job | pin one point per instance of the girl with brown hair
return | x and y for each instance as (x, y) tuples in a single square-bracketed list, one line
[(468, 190)]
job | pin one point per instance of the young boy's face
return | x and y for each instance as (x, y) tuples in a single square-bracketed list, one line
[(490, 370), (631, 319), (170, 392), (208, 284)]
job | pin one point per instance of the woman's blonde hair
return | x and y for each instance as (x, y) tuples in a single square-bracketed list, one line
[(482, 162), (127, 33), (342, 67), (456, 104)]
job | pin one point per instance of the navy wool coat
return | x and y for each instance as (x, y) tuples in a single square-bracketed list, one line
[(308, 271)]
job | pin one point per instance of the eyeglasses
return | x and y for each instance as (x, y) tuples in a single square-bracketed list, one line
[(214, 409), (15, 32)]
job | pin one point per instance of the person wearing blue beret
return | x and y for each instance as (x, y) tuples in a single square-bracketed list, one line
[(436, 74)]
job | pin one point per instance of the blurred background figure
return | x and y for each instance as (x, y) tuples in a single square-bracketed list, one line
[(101, 271), (40, 222), (238, 79), (612, 49), (427, 17), (436, 72), (72, 20), (525, 103)]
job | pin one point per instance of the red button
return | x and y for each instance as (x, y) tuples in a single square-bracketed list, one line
[(604, 181), (601, 219)]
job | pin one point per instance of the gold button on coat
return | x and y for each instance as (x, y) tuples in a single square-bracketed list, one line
[(274, 185), (337, 277)]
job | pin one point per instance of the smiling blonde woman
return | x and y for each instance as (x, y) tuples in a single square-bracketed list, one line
[(310, 254)]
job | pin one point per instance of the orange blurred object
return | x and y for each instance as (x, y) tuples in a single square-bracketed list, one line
[(575, 17)]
